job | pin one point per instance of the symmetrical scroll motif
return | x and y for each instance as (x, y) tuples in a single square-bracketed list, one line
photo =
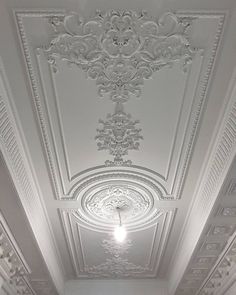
[(118, 135), (116, 265), (116, 249), (120, 49)]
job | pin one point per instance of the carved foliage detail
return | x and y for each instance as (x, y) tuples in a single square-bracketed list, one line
[(118, 135), (116, 249), (103, 203), (116, 265), (120, 49)]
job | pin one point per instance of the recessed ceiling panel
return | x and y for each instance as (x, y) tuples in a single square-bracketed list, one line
[(80, 106), (96, 254)]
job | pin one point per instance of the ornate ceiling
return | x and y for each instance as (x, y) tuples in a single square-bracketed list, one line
[(111, 106)]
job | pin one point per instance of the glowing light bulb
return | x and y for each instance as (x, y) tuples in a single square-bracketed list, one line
[(120, 233)]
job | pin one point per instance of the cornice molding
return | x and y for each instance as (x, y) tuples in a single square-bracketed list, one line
[(13, 267), (11, 145), (219, 157), (223, 273)]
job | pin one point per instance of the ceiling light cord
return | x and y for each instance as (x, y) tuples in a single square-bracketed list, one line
[(119, 232), (118, 211)]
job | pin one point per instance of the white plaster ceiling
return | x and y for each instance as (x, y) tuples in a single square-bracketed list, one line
[(57, 113)]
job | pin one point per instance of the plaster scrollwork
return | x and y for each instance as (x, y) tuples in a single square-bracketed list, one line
[(102, 203), (116, 265), (118, 135), (120, 49), (112, 247)]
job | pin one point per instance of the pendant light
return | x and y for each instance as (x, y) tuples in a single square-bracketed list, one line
[(119, 231)]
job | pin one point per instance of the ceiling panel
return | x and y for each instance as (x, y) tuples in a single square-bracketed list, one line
[(122, 110)]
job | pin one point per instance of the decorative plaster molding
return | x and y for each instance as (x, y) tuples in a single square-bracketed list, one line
[(221, 272), (223, 151), (126, 176), (12, 149), (203, 92), (117, 265), (102, 201), (227, 211), (13, 266), (43, 287), (114, 248), (118, 135), (186, 153), (120, 49)]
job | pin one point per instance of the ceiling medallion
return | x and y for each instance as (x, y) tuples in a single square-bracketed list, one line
[(102, 203), (120, 50)]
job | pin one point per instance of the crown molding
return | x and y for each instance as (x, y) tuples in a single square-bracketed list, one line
[(12, 148), (222, 275), (219, 157), (14, 269)]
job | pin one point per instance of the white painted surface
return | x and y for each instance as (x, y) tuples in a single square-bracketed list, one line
[(61, 146), (231, 290), (116, 287)]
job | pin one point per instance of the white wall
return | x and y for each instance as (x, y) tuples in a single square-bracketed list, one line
[(231, 290), (116, 287)]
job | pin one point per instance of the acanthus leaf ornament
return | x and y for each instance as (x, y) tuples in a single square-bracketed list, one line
[(104, 202), (116, 266), (118, 135), (120, 49), (112, 247)]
